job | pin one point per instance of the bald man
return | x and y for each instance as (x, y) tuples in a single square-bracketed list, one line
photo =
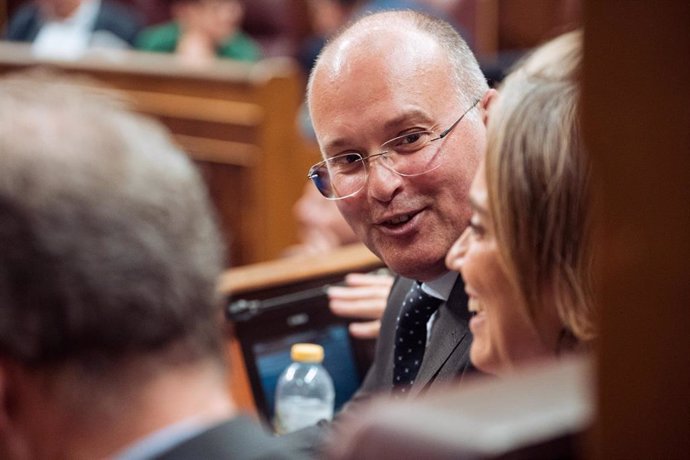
[(399, 106)]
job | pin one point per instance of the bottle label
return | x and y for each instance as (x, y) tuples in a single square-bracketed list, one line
[(297, 412)]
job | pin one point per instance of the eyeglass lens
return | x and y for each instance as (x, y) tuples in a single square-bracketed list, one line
[(345, 175)]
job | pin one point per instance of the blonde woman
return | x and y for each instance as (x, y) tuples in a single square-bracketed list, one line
[(526, 254)]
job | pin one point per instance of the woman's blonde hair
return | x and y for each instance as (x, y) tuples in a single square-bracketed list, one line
[(538, 181)]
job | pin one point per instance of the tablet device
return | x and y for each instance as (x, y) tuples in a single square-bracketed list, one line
[(267, 329)]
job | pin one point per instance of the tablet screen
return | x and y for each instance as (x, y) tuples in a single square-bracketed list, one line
[(268, 328)]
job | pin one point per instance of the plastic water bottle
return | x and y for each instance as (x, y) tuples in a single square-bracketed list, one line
[(305, 393)]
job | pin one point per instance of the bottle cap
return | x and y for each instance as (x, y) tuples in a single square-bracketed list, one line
[(306, 352)]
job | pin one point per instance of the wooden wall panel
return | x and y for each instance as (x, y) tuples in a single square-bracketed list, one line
[(637, 123)]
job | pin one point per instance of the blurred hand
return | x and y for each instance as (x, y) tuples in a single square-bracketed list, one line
[(364, 296)]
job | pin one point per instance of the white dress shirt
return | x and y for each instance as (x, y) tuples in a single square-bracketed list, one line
[(439, 288)]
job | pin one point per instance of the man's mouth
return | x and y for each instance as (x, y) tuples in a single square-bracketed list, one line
[(398, 219)]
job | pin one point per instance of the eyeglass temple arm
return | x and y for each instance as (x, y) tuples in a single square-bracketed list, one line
[(447, 131)]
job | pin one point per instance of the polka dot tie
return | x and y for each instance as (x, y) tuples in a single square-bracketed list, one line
[(410, 335)]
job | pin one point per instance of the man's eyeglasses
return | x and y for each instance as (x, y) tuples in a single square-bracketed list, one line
[(344, 175)]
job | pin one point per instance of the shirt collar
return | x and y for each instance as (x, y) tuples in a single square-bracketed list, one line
[(440, 287)]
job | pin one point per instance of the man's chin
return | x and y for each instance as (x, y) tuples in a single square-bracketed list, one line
[(407, 260), (415, 268)]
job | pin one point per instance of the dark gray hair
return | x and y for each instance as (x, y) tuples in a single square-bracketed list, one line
[(108, 246)]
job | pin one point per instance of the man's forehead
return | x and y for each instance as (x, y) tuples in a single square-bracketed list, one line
[(379, 45)]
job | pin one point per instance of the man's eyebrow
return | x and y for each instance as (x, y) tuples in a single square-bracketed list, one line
[(336, 144), (407, 117), (392, 124)]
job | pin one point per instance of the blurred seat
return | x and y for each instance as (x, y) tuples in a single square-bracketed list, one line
[(540, 413)]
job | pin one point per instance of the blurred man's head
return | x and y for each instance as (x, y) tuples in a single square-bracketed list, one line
[(108, 258), (390, 75)]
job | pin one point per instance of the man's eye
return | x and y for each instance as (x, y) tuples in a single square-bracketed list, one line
[(346, 159), (411, 138), (412, 142)]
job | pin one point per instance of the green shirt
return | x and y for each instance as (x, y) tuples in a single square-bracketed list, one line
[(163, 39)]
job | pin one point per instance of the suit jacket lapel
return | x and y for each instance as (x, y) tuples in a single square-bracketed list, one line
[(450, 339)]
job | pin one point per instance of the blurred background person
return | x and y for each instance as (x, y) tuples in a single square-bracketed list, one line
[(526, 256), (362, 296), (202, 30), (68, 28), (111, 342), (321, 227)]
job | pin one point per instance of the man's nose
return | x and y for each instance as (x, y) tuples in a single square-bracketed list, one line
[(456, 254), (382, 182)]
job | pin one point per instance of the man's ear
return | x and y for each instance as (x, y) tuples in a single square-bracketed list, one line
[(488, 99)]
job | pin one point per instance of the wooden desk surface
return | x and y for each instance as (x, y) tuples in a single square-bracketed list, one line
[(293, 270)]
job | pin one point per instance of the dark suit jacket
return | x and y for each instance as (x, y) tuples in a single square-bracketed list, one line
[(236, 439), (446, 356), (111, 17)]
